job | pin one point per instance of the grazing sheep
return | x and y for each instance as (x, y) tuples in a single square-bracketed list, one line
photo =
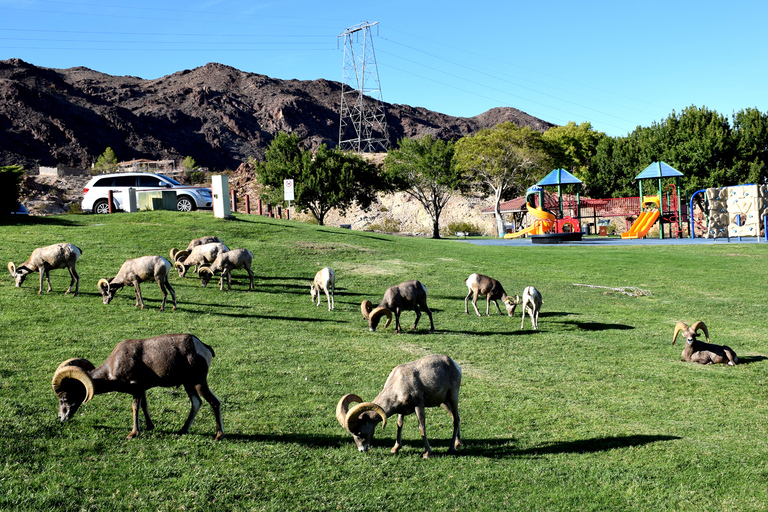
[(325, 280), (428, 382), (402, 297), (136, 271), (200, 255), (194, 243), (701, 352), (479, 284), (225, 263), (532, 303), (45, 259), (133, 367)]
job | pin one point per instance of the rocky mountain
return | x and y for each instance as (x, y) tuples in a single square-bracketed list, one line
[(216, 114)]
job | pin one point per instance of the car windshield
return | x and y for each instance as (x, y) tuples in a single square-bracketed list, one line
[(172, 180)]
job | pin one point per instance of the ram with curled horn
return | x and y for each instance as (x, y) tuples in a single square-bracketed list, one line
[(703, 352), (407, 296), (411, 387), (133, 367)]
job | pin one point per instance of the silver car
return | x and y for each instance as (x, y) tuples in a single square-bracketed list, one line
[(96, 191)]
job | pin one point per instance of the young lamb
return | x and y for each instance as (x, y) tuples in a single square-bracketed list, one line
[(45, 259), (133, 367), (701, 352), (479, 284), (325, 280), (136, 271), (201, 255), (428, 382), (532, 303), (225, 263), (406, 296)]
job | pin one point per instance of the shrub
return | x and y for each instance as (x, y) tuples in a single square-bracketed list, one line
[(385, 225), (465, 226), (10, 187)]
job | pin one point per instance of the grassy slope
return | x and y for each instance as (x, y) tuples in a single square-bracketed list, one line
[(593, 412)]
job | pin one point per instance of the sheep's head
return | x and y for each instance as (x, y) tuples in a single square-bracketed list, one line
[(182, 268), (690, 333), (361, 420), (206, 274), (373, 315), (313, 292), (73, 385), (511, 304), (19, 274), (108, 290)]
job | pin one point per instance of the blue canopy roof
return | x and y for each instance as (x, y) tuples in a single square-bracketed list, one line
[(559, 177), (659, 170)]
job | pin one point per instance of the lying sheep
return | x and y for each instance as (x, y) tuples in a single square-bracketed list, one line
[(325, 280), (225, 263), (406, 296), (701, 352), (411, 387), (201, 255), (136, 271), (45, 259), (479, 284), (133, 367), (532, 303)]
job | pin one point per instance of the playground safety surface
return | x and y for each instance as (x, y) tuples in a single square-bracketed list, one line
[(611, 241)]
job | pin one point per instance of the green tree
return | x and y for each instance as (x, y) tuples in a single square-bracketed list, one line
[(424, 169), (328, 179), (10, 187), (107, 161), (750, 133), (189, 164), (504, 160), (572, 147)]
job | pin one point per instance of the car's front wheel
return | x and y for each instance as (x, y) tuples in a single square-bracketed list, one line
[(185, 204), (101, 206)]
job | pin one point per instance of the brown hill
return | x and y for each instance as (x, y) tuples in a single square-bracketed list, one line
[(216, 114)]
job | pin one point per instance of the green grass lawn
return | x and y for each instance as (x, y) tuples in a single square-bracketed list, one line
[(595, 411)]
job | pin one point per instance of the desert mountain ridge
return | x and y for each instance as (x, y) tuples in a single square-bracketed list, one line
[(218, 115)]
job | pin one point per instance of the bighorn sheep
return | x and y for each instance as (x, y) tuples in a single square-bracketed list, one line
[(45, 259), (701, 352), (225, 263), (532, 303), (133, 367), (200, 255), (136, 271), (479, 284), (402, 297), (194, 243), (325, 280), (431, 381)]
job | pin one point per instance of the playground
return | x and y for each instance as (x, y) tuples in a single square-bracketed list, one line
[(716, 214)]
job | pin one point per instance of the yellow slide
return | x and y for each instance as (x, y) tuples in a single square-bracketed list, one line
[(642, 225), (542, 224)]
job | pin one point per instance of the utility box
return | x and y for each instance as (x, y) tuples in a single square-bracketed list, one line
[(220, 190), (129, 203), (157, 200)]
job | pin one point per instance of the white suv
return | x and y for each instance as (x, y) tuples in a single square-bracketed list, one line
[(96, 191)]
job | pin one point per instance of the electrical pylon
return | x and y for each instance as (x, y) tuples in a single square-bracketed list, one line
[(363, 124)]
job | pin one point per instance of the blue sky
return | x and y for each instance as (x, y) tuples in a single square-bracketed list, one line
[(617, 65)]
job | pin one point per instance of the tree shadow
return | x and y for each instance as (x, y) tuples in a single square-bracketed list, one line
[(751, 359), (599, 326)]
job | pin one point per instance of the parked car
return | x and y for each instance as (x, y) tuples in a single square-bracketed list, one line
[(96, 191)]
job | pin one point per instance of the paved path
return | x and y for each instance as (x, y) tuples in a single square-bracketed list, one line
[(610, 241)]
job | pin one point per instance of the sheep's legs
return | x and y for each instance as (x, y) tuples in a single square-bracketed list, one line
[(44, 274), (474, 303), (139, 300), (423, 430), (140, 402), (453, 410), (75, 280), (250, 276), (328, 297), (194, 398), (165, 287), (398, 443), (194, 393)]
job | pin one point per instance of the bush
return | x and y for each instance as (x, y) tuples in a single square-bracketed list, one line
[(10, 187), (464, 226), (386, 225)]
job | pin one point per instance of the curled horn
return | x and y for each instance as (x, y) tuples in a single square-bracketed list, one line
[(173, 253), (73, 371), (353, 416), (343, 407), (181, 256), (700, 325), (365, 308), (681, 326), (376, 313), (181, 268), (204, 269), (12, 268), (103, 286)]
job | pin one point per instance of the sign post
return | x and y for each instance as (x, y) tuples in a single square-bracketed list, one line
[(288, 192)]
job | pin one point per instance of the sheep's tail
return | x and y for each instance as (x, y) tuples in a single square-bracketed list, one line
[(213, 354)]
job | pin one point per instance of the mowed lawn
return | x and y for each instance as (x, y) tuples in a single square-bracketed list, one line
[(595, 411)]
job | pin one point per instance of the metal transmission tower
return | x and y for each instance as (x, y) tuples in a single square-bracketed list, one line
[(363, 126)]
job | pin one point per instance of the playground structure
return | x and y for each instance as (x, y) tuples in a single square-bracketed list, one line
[(734, 211), (645, 220)]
